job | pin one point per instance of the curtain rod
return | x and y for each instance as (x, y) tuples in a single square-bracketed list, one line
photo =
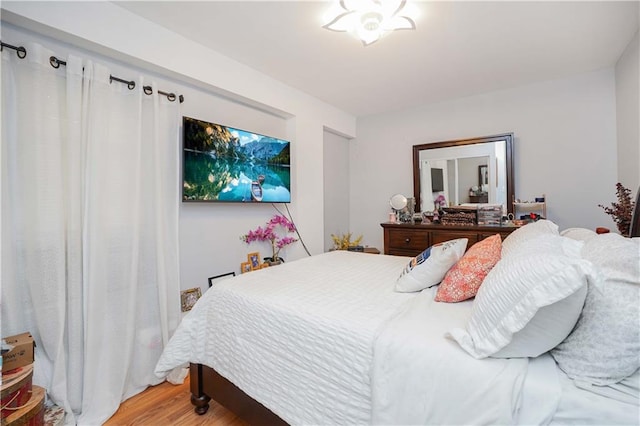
[(55, 63), (20, 51)]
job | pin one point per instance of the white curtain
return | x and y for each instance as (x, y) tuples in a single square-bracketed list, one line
[(89, 228)]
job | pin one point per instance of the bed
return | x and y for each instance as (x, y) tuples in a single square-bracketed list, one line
[(328, 340)]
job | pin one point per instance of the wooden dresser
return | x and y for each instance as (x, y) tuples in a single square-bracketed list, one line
[(403, 239)]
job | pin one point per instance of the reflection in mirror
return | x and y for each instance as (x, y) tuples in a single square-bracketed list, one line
[(463, 172)]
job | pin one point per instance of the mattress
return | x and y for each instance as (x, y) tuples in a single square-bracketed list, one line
[(296, 337)]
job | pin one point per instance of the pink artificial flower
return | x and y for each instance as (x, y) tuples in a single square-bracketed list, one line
[(440, 201), (282, 221), (286, 241), (268, 233)]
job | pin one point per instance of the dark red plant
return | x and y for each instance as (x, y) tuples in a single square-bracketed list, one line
[(622, 210)]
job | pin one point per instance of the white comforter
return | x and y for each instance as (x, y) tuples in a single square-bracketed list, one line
[(438, 381), (326, 340), (296, 337)]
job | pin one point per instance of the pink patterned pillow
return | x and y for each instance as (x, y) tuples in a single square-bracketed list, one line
[(465, 277)]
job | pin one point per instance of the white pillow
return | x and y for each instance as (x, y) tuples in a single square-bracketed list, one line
[(545, 243), (604, 348), (520, 297), (548, 328), (529, 231), (580, 234), (429, 267)]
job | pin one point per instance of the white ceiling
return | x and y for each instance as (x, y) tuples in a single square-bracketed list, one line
[(458, 49)]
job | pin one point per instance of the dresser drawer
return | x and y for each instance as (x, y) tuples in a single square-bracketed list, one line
[(408, 240), (442, 236), (411, 240)]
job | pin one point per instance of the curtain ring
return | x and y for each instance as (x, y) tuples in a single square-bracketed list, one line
[(171, 97), (21, 52), (181, 98), (147, 90), (131, 85), (54, 62)]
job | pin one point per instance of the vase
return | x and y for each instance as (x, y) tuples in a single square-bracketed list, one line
[(270, 260)]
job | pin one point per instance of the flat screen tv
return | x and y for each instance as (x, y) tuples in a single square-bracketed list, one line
[(224, 164), (437, 180)]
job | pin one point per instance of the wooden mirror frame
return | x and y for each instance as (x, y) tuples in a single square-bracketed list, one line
[(507, 137)]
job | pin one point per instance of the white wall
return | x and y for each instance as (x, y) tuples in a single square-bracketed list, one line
[(336, 187), (565, 147), (565, 133), (215, 88), (628, 115)]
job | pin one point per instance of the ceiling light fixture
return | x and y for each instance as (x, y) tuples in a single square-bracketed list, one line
[(370, 19)]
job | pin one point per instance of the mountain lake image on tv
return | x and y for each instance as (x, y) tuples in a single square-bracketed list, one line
[(221, 163)]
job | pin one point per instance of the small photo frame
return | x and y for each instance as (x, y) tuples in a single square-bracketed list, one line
[(264, 265), (245, 267), (254, 260), (189, 297), (220, 277)]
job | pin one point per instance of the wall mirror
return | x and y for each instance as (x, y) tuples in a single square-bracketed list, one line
[(464, 172)]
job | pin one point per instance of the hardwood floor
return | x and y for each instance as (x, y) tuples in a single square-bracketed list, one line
[(167, 404)]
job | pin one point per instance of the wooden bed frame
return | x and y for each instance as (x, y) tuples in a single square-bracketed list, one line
[(207, 384)]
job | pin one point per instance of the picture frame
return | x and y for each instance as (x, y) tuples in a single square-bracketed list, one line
[(219, 278), (254, 260), (245, 267), (189, 297), (264, 265)]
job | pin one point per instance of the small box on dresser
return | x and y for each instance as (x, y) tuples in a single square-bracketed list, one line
[(490, 214)]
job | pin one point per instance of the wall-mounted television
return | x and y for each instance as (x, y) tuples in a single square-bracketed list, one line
[(225, 164), (437, 180)]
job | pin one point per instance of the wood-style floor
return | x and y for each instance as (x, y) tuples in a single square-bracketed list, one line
[(167, 404)]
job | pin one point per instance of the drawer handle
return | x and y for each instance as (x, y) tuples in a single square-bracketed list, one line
[(407, 240)]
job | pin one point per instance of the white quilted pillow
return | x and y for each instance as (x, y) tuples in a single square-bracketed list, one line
[(580, 234), (522, 235), (527, 304), (545, 243), (429, 267), (604, 348)]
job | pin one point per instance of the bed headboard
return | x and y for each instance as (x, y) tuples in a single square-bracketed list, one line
[(635, 218)]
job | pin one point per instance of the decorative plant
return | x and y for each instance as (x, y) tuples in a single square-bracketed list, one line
[(268, 233), (343, 241), (622, 210), (440, 202)]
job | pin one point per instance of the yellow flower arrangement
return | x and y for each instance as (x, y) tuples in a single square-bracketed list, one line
[(343, 241)]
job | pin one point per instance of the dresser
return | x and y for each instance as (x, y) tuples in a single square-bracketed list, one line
[(404, 239)]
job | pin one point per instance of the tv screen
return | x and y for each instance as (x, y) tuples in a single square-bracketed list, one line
[(221, 163), (437, 181)]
